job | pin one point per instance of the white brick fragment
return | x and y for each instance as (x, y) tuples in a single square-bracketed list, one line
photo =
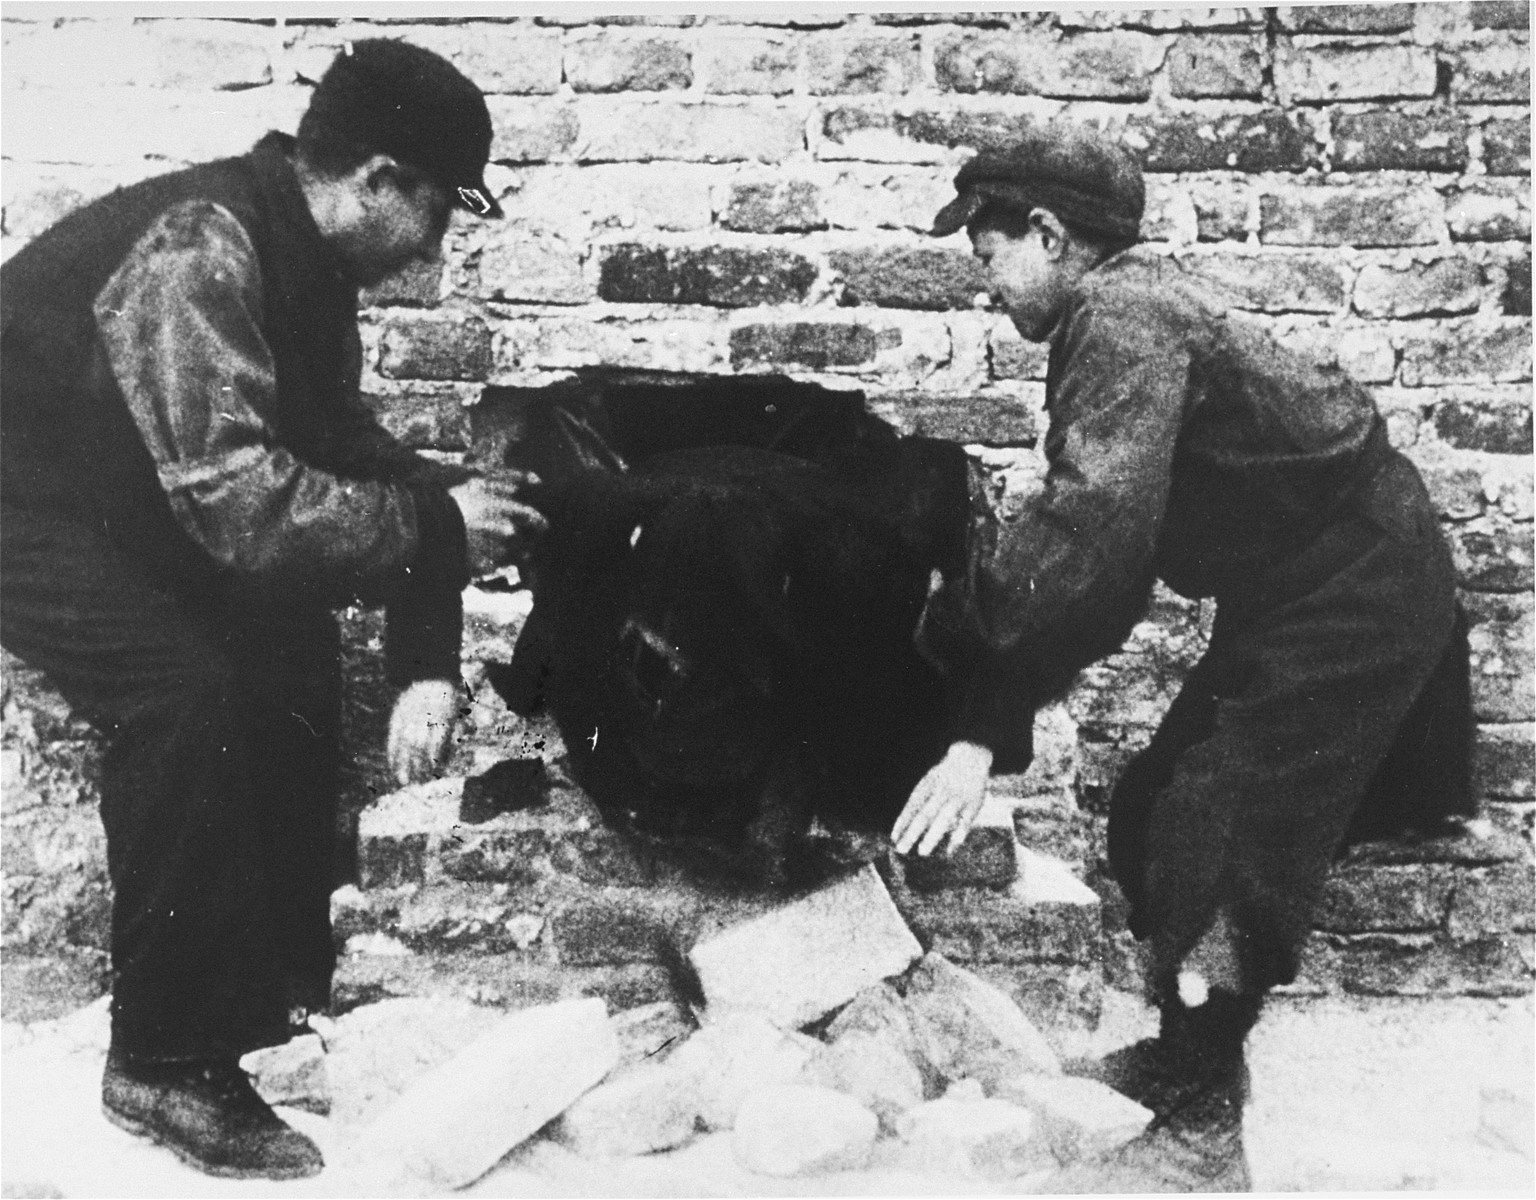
[(455, 1123), (798, 1130), (804, 959), (1079, 1118)]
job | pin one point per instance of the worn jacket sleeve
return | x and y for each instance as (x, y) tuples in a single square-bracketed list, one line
[(180, 324), (1045, 594)]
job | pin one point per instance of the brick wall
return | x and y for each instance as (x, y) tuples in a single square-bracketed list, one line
[(717, 194)]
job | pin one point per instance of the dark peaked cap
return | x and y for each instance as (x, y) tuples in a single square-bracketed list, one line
[(1077, 172), (415, 106)]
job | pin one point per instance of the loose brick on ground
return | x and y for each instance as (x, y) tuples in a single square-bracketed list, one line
[(1079, 1118), (799, 961), (967, 1028), (734, 1054), (973, 1138), (640, 1109), (455, 1123), (794, 1130)]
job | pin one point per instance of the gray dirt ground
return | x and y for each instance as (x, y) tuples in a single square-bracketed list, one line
[(1348, 1095)]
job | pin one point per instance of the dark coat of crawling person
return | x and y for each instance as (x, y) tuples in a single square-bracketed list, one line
[(191, 484), (1332, 702)]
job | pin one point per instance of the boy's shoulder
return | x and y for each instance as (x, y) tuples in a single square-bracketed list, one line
[(1142, 288)]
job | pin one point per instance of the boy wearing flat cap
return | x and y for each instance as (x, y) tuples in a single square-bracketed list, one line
[(191, 485), (1332, 702)]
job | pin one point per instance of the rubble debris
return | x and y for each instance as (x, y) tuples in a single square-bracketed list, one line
[(732, 1055), (966, 1027), (293, 1074), (1047, 880), (651, 1031), (1079, 1118), (455, 1123), (871, 1069), (640, 1109), (798, 962), (792, 1130), (511, 785), (377, 1050), (976, 1138)]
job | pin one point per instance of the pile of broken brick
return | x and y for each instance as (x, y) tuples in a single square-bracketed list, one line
[(826, 1041)]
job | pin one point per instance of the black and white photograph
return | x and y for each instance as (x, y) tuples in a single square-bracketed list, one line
[(766, 599)]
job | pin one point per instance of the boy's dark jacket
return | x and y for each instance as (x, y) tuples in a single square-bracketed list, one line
[(371, 521)]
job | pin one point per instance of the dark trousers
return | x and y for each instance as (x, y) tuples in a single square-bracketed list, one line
[(1324, 709), (218, 788)]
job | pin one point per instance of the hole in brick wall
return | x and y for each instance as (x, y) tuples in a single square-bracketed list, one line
[(638, 414)]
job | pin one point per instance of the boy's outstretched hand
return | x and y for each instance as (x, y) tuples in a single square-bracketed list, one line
[(945, 801), (423, 717), (498, 518)]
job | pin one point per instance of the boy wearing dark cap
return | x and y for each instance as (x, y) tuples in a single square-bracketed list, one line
[(191, 485), (1332, 702)]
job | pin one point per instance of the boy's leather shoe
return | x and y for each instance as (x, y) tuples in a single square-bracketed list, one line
[(208, 1115)]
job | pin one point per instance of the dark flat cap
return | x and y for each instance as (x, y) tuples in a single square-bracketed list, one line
[(1079, 173), (415, 106)]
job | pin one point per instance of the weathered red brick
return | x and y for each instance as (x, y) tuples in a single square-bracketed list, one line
[(456, 348), (1498, 73), (1494, 210), (817, 345), (774, 206), (1272, 283), (1439, 287), (1267, 140), (1501, 14), (747, 63), (1507, 147), (1468, 352), (1347, 18), (1362, 899), (1417, 964), (1493, 555), (1516, 297), (1503, 656), (1504, 762), (839, 65), (1494, 900), (1393, 140), (626, 131), (1488, 425), (909, 277), (598, 61), (615, 925), (510, 58), (1206, 65), (415, 287), (537, 267), (727, 276), (1102, 66), (1352, 216), (531, 131), (1330, 73)]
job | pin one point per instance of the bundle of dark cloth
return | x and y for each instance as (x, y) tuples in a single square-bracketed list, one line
[(724, 610)]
